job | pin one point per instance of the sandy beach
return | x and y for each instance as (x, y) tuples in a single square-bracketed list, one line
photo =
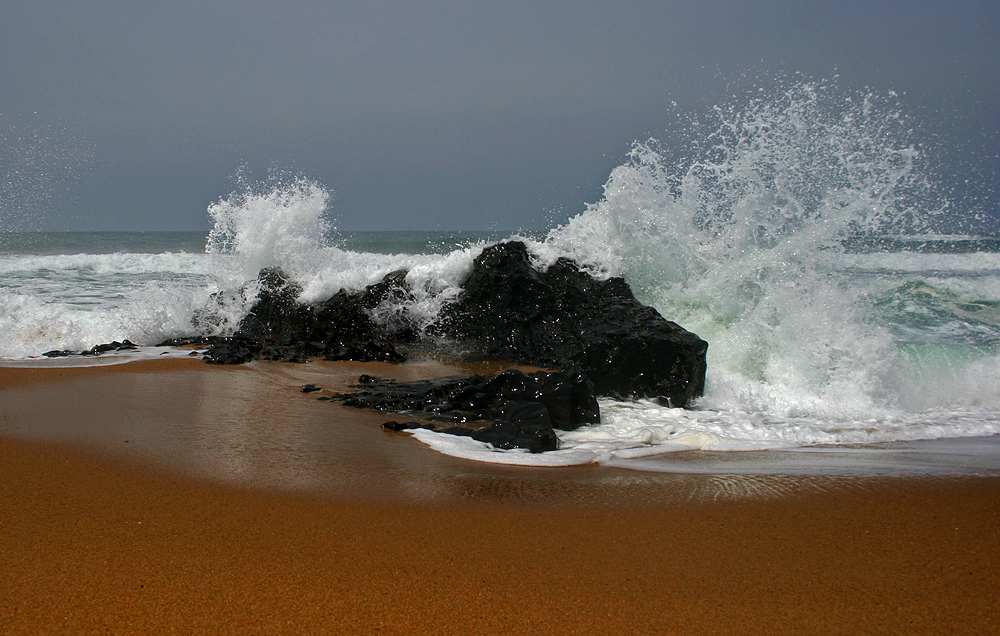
[(172, 497)]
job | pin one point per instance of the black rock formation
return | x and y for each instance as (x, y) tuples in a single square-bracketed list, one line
[(524, 407), (569, 398), (96, 350), (530, 429), (280, 328), (562, 317), (509, 310)]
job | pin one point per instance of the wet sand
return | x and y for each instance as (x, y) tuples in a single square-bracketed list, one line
[(134, 499)]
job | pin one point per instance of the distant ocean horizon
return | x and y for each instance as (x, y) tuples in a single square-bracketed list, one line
[(193, 241)]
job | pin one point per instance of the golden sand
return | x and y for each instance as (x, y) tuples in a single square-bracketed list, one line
[(94, 539)]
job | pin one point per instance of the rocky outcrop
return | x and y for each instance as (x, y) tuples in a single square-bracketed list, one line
[(96, 350), (280, 328), (525, 408), (593, 331), (509, 310)]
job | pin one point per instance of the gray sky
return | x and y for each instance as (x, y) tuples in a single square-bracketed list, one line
[(428, 115)]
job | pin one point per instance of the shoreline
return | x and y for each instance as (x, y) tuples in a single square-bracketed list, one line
[(251, 426), (115, 517)]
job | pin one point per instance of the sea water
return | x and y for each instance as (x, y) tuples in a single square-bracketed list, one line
[(799, 233)]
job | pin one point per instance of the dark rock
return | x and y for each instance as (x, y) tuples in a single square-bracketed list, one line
[(525, 408), (363, 351), (278, 327), (509, 310), (310, 388), (521, 425), (235, 350), (456, 430), (277, 310), (562, 317), (568, 398), (272, 353), (96, 350), (385, 301), (194, 341), (524, 425), (277, 316), (406, 426)]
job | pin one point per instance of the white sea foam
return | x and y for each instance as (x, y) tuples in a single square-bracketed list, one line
[(118, 264), (645, 431)]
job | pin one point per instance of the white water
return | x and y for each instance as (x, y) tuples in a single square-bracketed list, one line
[(736, 230)]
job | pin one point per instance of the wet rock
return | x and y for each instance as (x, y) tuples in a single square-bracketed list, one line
[(277, 311), (385, 302), (407, 426), (96, 350), (562, 317), (524, 408), (235, 350), (509, 310), (363, 351), (279, 328), (193, 341), (520, 425), (525, 425), (568, 398)]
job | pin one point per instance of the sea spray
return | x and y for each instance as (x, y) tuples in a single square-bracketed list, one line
[(42, 167), (736, 227), (282, 222), (276, 223)]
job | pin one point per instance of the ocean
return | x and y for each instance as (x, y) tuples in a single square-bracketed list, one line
[(799, 234)]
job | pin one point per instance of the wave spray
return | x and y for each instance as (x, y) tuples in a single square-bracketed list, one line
[(744, 225)]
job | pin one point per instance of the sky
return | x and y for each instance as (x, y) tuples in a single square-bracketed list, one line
[(432, 115)]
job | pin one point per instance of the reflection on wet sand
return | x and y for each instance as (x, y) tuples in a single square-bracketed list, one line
[(251, 426)]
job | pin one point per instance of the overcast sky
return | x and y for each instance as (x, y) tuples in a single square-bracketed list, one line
[(426, 115)]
